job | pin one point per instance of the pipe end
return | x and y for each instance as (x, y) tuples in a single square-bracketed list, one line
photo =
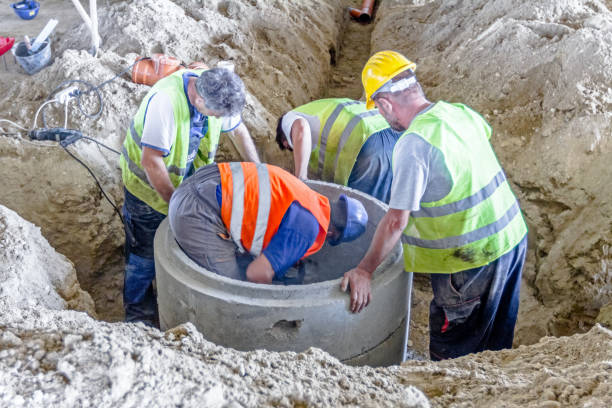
[(363, 16)]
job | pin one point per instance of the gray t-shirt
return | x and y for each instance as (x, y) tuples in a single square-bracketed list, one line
[(420, 173)]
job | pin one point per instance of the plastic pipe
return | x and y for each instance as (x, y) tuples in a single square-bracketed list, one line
[(95, 41), (407, 328), (82, 13), (93, 15), (43, 35), (365, 13)]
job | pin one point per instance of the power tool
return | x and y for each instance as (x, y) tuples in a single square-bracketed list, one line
[(62, 135)]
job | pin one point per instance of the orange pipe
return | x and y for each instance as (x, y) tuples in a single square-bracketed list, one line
[(150, 71), (364, 14)]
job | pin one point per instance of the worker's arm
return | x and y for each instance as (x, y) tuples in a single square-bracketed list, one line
[(302, 147), (260, 270), (386, 236), (153, 163), (245, 144)]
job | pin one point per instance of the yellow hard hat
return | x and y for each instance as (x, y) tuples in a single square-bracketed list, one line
[(379, 69)]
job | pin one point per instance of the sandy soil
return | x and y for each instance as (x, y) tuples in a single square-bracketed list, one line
[(32, 273), (538, 71), (281, 50)]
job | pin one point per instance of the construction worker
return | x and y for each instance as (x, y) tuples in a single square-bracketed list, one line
[(260, 210), (175, 131), (454, 210), (340, 141)]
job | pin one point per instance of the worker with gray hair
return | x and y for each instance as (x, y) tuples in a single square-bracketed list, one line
[(175, 131)]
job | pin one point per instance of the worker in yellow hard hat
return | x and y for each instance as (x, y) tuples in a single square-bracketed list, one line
[(453, 208)]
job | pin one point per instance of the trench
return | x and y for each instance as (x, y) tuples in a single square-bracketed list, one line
[(347, 58)]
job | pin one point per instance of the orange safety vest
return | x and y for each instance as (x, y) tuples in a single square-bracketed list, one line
[(255, 199)]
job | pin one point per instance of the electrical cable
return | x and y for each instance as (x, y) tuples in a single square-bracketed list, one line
[(89, 89), (65, 147), (78, 94), (102, 144), (64, 144), (13, 123), (48, 101)]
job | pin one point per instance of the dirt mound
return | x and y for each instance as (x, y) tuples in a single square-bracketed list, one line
[(67, 359), (32, 273)]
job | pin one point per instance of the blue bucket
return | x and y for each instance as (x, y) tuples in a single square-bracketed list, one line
[(32, 63), (26, 9)]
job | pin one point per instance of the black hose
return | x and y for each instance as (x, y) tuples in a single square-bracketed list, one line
[(102, 144)]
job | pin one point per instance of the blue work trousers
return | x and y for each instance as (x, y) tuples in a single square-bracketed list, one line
[(141, 222), (476, 309)]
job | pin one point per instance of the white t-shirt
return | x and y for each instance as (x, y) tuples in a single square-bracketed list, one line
[(313, 123), (420, 173), (159, 128)]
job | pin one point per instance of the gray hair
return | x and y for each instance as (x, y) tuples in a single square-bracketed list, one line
[(222, 90)]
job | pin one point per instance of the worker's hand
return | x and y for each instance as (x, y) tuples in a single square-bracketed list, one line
[(359, 281)]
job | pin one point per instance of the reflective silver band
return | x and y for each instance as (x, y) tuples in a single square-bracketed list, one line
[(466, 203), (137, 171), (237, 204), (135, 135), (142, 175), (467, 238), (213, 152), (179, 171), (348, 130), (326, 131), (263, 209)]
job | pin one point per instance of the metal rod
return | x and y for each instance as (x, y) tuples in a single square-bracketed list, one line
[(407, 328), (93, 15)]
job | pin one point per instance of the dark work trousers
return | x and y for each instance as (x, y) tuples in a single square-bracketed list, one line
[(476, 309), (141, 222), (372, 171)]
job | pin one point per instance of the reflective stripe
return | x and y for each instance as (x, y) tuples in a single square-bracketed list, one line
[(466, 203), (263, 209), (179, 171), (142, 175), (135, 136), (348, 130), (237, 204), (213, 152), (472, 236), (137, 171), (326, 131)]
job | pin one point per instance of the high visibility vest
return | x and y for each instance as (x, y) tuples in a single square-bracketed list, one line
[(480, 219), (345, 125), (132, 172), (255, 200)]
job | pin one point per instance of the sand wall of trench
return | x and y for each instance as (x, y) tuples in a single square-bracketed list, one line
[(540, 74), (281, 49)]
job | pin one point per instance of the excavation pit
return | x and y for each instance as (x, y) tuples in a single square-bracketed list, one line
[(247, 316)]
